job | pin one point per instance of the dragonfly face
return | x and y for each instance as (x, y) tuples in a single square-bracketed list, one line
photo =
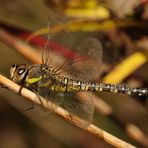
[(18, 72)]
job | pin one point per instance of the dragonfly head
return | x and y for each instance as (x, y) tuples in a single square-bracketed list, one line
[(18, 72)]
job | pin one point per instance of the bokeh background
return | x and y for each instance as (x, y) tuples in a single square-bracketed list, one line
[(122, 28)]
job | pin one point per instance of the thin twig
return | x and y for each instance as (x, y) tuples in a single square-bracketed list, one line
[(91, 129)]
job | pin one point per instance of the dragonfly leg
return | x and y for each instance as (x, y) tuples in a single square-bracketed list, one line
[(33, 107), (38, 96), (20, 90), (40, 100)]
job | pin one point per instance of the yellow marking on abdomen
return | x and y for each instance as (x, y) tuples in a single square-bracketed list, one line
[(58, 88), (86, 87), (65, 81)]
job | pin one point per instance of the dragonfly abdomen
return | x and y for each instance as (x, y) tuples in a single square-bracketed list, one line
[(69, 85), (110, 88), (118, 89)]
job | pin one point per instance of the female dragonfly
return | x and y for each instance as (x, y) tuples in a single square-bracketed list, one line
[(69, 76)]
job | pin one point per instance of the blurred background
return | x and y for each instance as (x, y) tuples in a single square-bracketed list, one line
[(122, 28)]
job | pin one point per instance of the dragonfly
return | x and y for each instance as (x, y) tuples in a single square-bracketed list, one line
[(77, 73)]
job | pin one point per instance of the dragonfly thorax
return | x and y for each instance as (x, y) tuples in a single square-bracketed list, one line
[(27, 75)]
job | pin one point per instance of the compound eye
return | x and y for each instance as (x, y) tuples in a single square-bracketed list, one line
[(21, 71)]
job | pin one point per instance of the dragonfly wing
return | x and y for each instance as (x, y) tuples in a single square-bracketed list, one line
[(79, 60), (80, 63), (82, 107), (59, 40), (90, 57), (75, 103), (54, 97), (59, 32)]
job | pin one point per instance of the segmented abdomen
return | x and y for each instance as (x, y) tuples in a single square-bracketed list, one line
[(68, 85)]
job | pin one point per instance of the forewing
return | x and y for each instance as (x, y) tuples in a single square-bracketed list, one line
[(59, 41), (86, 63)]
